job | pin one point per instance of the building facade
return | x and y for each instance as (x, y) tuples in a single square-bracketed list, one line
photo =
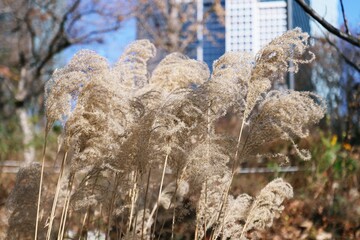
[(249, 25), (212, 43)]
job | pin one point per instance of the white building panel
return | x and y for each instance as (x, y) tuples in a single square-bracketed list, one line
[(251, 24)]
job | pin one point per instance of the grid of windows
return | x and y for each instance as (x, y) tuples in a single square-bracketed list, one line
[(273, 20), (250, 24), (239, 25)]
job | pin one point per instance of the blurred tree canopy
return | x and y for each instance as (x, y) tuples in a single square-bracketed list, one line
[(33, 32), (336, 74), (336, 77), (173, 25)]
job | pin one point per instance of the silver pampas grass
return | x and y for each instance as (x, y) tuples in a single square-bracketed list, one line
[(138, 144)]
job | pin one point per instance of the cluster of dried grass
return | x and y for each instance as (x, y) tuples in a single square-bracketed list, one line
[(135, 146)]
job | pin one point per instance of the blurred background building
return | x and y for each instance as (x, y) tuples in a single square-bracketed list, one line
[(249, 25)]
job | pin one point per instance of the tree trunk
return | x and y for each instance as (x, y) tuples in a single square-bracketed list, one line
[(28, 135), (22, 113)]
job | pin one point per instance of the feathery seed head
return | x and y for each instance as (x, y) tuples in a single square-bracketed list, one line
[(268, 205), (272, 61), (177, 71), (284, 115), (131, 67)]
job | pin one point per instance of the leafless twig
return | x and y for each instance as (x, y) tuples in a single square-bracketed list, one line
[(344, 17), (346, 59), (349, 61), (343, 35)]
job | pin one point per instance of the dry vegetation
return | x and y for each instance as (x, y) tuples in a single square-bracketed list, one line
[(141, 152)]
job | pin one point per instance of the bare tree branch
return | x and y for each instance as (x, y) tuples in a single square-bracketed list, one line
[(36, 31), (347, 37), (344, 17), (349, 61), (59, 41), (87, 36), (77, 17), (342, 55), (346, 59)]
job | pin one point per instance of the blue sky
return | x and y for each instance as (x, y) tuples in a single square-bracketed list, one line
[(352, 11), (115, 42), (112, 46)]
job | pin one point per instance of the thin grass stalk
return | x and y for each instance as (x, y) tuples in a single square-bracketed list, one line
[(153, 229), (133, 198), (58, 150), (121, 230), (118, 233), (233, 171), (62, 217), (238, 144), (135, 225), (208, 156), (247, 221), (40, 184), (112, 203), (155, 208), (86, 220), (65, 209), (206, 188), (161, 229), (82, 226), (145, 202), (98, 223), (196, 235), (196, 232), (174, 210), (65, 217), (53, 209)]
